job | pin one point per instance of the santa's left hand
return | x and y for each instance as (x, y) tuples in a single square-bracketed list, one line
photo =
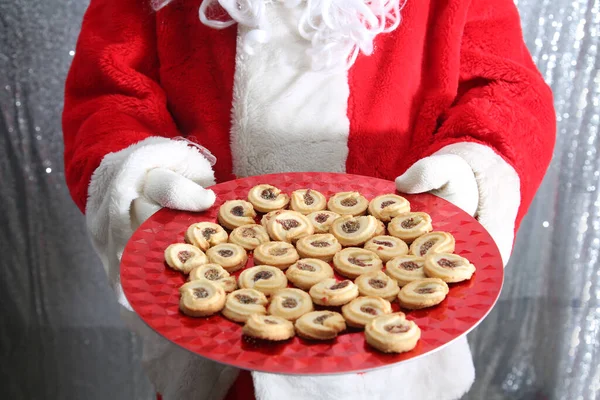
[(477, 180)]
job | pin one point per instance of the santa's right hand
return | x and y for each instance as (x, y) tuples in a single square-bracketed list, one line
[(165, 188)]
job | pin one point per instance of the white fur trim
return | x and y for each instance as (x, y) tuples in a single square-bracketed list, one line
[(286, 117), (499, 191)]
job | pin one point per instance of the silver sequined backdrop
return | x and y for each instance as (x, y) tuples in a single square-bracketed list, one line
[(60, 334)]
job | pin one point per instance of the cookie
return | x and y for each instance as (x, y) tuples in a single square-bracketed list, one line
[(377, 284), (242, 303), (184, 257), (388, 206), (322, 220), (392, 333), (448, 267), (268, 327), (289, 226), (265, 198), (348, 203), (320, 325), (433, 242), (306, 201), (308, 272), (234, 213), (387, 247), (205, 235), (264, 278), (201, 298), (354, 261), (330, 292), (362, 310), (423, 293), (322, 246), (264, 221), (355, 231), (290, 304), (276, 254), (249, 236), (215, 274), (405, 269), (230, 256), (410, 226)]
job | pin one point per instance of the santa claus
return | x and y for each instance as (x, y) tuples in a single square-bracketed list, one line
[(165, 99)]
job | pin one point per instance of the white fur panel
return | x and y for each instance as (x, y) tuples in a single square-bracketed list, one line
[(286, 117)]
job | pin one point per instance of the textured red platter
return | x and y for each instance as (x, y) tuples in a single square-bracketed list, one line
[(152, 288)]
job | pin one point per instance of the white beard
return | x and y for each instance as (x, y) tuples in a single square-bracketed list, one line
[(338, 29)]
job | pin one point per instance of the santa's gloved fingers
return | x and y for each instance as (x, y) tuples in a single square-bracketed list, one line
[(447, 176), (493, 220), (172, 190), (141, 210)]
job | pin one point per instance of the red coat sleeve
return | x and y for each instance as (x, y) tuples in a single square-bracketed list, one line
[(112, 98), (503, 101)]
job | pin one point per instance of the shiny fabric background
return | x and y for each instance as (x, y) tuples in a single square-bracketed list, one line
[(61, 337)]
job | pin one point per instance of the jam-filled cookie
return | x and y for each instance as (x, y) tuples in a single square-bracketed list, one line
[(377, 284), (267, 198), (392, 333), (264, 278), (290, 304), (330, 292), (354, 261), (264, 221), (230, 256), (362, 310), (355, 231), (249, 236), (424, 293), (322, 220), (184, 257), (308, 272), (320, 325), (216, 274), (388, 206), (276, 254), (410, 226), (405, 269), (205, 235), (289, 226), (433, 242), (348, 203), (234, 213), (322, 246), (201, 298), (268, 327), (448, 267), (387, 247), (242, 303), (306, 201)]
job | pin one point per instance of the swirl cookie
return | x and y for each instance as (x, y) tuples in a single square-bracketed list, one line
[(387, 247), (201, 298), (377, 284), (320, 325), (249, 236), (216, 274), (290, 304), (268, 327), (322, 246), (392, 333), (306, 201), (322, 220), (230, 256), (289, 226), (360, 311), (308, 272), (410, 226), (433, 242), (205, 235), (276, 254), (424, 293), (448, 267), (264, 278), (330, 292), (355, 231), (405, 269), (388, 206), (242, 303), (348, 203), (267, 198), (354, 261), (234, 213), (184, 257)]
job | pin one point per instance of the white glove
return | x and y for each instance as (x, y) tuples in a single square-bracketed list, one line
[(474, 178)]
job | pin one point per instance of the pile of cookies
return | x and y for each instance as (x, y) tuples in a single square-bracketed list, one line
[(299, 238)]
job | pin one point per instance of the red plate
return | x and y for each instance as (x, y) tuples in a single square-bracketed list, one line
[(152, 288)]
